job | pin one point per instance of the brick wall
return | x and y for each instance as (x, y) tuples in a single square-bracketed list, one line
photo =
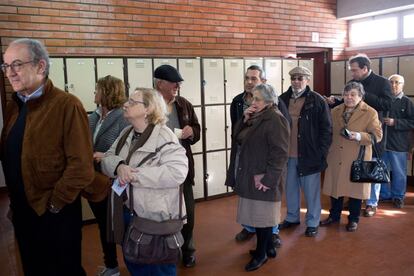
[(174, 28)]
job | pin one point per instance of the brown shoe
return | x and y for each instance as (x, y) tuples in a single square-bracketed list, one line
[(244, 235), (352, 226), (370, 211), (328, 221)]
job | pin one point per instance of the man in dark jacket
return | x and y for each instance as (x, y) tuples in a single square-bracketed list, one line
[(254, 75), (183, 121), (311, 137), (398, 124)]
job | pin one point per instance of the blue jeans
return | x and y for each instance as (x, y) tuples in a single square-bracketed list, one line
[(311, 185), (397, 163), (275, 229), (148, 269)]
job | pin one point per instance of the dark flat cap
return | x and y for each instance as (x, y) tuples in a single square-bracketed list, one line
[(167, 72)]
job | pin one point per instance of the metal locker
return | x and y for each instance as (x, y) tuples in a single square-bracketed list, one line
[(57, 72), (198, 147), (375, 65), (81, 80), (407, 71), (162, 61), (337, 77), (228, 126), (234, 71), (273, 69), (287, 65), (190, 89), (348, 76), (389, 66), (308, 63), (215, 125), (199, 176), (213, 81), (252, 61), (139, 73), (110, 66), (216, 171)]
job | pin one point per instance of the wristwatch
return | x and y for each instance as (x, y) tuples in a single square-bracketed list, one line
[(52, 208)]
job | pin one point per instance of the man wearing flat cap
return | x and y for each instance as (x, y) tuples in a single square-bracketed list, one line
[(183, 121), (310, 139)]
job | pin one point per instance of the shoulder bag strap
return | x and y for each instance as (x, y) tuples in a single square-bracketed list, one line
[(374, 145), (361, 153)]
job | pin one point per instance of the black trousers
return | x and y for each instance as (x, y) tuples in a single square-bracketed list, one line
[(264, 241), (99, 209), (337, 205), (188, 248), (49, 244)]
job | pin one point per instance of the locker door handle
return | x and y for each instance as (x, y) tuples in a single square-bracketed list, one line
[(206, 176)]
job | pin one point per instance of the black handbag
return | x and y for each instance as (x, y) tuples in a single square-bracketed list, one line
[(151, 242), (374, 171)]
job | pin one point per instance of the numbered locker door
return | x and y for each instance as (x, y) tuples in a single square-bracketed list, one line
[(234, 82), (162, 61), (190, 89), (407, 71), (308, 63), (337, 77), (273, 69), (199, 176), (81, 80), (57, 72), (213, 81), (216, 173), (389, 66), (287, 65), (139, 73), (110, 66), (252, 61)]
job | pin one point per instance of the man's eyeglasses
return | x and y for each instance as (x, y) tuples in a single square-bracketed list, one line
[(15, 66), (299, 78), (134, 102)]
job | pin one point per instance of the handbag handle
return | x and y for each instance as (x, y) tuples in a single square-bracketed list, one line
[(374, 144)]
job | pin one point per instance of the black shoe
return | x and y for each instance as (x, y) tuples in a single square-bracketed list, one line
[(277, 242), (244, 235), (370, 211), (286, 224), (311, 231), (398, 203), (328, 221), (352, 226), (255, 264), (271, 253), (189, 261)]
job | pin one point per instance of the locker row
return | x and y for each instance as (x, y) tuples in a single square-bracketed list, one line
[(386, 66)]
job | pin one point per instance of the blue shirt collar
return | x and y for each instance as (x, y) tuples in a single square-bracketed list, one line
[(36, 94)]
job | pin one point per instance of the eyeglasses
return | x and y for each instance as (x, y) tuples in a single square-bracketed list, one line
[(257, 99), (134, 102), (396, 82), (299, 78), (15, 66)]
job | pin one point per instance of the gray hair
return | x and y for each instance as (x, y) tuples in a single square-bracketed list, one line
[(37, 51), (399, 77), (354, 85), (267, 92)]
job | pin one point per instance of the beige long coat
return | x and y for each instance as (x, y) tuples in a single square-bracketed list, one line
[(343, 151)]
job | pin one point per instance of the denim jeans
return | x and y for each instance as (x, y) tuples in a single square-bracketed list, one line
[(375, 192), (311, 185), (148, 269), (397, 163), (275, 229)]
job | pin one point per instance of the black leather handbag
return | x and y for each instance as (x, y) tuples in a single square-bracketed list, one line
[(374, 171)]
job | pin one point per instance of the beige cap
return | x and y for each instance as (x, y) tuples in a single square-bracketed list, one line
[(301, 71)]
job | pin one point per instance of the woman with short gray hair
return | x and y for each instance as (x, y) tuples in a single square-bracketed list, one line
[(258, 161)]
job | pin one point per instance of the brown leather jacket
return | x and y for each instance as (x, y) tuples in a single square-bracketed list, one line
[(56, 160)]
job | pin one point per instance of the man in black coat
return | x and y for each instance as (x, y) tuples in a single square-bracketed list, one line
[(377, 95), (254, 75)]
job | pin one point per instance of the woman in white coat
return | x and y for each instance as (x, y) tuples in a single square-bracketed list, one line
[(156, 182), (353, 123)]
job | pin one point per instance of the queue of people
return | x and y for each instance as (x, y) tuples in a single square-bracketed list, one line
[(53, 153)]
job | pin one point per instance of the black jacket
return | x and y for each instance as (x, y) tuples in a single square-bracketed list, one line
[(314, 132), (236, 109), (402, 110), (187, 116)]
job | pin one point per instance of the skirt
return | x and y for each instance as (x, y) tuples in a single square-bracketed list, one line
[(258, 213)]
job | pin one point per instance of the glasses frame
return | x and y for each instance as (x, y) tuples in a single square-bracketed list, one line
[(132, 102), (299, 78), (15, 66)]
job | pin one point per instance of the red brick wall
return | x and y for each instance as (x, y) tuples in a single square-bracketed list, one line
[(174, 28)]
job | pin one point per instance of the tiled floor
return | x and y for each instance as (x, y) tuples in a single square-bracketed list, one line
[(383, 245)]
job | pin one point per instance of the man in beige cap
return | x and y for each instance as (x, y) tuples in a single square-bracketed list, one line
[(311, 137)]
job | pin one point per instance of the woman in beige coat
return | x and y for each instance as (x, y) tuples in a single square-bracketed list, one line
[(353, 122)]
